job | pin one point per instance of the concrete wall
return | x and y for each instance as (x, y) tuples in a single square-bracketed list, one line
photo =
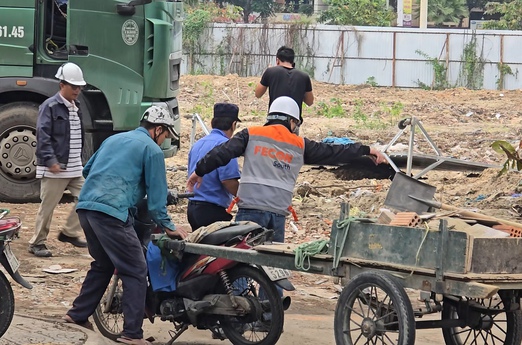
[(355, 55)]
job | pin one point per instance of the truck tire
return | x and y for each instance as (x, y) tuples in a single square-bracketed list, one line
[(18, 153)]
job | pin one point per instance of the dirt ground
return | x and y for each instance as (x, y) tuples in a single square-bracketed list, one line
[(462, 123)]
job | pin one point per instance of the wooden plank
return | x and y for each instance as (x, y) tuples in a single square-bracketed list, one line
[(489, 277), (406, 246), (452, 287), (277, 248), (496, 255)]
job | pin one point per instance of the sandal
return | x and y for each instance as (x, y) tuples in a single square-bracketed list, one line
[(130, 341), (85, 324)]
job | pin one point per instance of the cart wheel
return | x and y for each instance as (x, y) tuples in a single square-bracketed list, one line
[(374, 309), (487, 321)]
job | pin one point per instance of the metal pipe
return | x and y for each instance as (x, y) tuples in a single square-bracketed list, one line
[(394, 52), (423, 24), (250, 256)]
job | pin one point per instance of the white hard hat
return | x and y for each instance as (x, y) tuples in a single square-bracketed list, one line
[(159, 116), (283, 106), (71, 73)]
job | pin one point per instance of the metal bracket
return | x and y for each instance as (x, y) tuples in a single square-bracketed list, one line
[(413, 123), (341, 227), (440, 285), (196, 118)]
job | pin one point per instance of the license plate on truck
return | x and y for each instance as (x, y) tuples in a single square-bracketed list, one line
[(11, 259), (275, 273)]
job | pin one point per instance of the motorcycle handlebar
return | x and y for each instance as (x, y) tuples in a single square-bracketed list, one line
[(175, 245), (173, 197), (185, 195)]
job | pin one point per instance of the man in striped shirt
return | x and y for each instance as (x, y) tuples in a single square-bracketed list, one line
[(59, 134)]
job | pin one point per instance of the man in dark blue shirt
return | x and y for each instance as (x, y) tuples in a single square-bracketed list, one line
[(210, 202)]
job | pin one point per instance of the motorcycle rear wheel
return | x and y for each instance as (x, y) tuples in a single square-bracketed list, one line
[(248, 281), (6, 304), (110, 324)]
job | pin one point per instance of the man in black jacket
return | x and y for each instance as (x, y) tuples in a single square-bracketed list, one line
[(59, 134), (274, 154)]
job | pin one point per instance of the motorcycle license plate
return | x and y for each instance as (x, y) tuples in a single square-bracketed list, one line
[(276, 273), (11, 259)]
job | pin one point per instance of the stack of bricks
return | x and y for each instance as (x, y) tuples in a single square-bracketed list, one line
[(410, 219)]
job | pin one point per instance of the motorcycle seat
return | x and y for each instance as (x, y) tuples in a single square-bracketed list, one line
[(223, 235)]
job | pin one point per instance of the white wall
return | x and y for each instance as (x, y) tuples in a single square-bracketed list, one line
[(352, 55)]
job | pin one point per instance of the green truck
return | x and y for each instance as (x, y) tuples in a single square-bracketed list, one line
[(130, 54)]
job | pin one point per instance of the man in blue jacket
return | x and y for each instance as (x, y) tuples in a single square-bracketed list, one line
[(126, 167), (59, 135), (210, 202)]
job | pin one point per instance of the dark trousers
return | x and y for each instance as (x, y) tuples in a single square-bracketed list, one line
[(113, 244), (200, 213)]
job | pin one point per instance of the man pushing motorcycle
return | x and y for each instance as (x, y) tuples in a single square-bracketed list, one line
[(126, 167), (274, 154)]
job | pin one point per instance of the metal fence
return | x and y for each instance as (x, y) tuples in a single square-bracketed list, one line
[(401, 57)]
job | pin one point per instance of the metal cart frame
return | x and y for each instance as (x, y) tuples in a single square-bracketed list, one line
[(451, 269)]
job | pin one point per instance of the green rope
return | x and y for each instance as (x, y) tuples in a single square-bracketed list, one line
[(306, 250), (343, 227), (166, 254), (343, 223)]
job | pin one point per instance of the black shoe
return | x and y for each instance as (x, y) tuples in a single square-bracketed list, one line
[(40, 250), (75, 241)]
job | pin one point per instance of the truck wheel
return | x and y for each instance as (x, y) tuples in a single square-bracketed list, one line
[(18, 153)]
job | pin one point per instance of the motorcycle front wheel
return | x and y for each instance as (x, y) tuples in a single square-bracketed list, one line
[(6, 304), (108, 315), (265, 325)]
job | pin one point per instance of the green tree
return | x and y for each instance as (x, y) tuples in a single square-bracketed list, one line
[(510, 15), (357, 12), (476, 4), (194, 24), (441, 11), (265, 8), (191, 3)]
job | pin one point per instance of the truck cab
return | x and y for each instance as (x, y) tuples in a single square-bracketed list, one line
[(130, 54)]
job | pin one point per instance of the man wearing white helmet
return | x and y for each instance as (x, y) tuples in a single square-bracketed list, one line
[(59, 135), (125, 168), (274, 154)]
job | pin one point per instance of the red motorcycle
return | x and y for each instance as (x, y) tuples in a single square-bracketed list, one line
[(235, 301), (9, 228)]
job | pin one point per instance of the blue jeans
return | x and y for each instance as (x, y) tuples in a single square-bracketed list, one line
[(269, 220)]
